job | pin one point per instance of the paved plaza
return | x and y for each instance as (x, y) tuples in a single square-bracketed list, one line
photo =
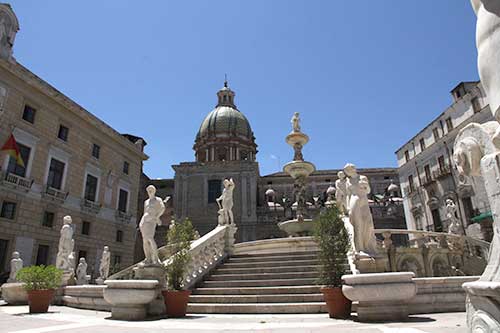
[(63, 319)]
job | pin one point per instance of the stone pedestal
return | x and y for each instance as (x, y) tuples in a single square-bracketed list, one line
[(367, 264), (129, 298), (14, 293), (482, 305), (382, 296), (155, 273)]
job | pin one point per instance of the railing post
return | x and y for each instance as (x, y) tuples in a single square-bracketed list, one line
[(230, 238)]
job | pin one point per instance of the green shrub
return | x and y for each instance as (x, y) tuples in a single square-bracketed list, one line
[(40, 277), (333, 243), (179, 236)]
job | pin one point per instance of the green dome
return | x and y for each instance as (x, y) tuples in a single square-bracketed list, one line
[(225, 120)]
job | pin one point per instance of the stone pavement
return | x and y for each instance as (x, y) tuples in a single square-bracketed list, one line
[(63, 319)]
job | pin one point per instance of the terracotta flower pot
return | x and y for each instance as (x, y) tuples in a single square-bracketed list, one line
[(176, 302), (39, 300), (338, 305)]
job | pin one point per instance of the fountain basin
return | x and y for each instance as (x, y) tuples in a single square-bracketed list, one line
[(295, 228), (298, 169), (129, 298), (297, 137)]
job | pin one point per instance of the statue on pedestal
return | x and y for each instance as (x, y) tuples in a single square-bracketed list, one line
[(66, 246), (81, 273), (104, 266), (340, 192), (154, 207), (225, 202), (358, 188), (15, 266), (295, 122), (454, 226)]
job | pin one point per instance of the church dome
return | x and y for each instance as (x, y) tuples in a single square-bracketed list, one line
[(225, 133)]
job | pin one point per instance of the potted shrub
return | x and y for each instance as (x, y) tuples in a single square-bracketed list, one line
[(333, 243), (40, 283), (179, 236)]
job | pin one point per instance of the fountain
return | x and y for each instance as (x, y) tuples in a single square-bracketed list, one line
[(299, 170)]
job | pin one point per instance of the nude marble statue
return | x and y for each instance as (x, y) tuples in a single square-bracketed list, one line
[(225, 202), (66, 245), (15, 266), (154, 207)]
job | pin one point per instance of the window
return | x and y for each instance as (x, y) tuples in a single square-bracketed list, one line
[(96, 151), (244, 155), (4, 250), (122, 201), (407, 155), (117, 259), (428, 176), (85, 228), (42, 255), (422, 144), (82, 254), (29, 114), (214, 190), (222, 154), (126, 167), (91, 188), (442, 163), (435, 133), (410, 183), (476, 106), (449, 124), (15, 168), (56, 174), (468, 207), (438, 224), (8, 210), (119, 236), (63, 133), (48, 219)]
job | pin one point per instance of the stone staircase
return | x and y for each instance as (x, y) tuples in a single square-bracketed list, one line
[(283, 282)]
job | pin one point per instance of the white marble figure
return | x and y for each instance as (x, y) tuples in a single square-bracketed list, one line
[(154, 207), (295, 123), (72, 260), (360, 216), (340, 192), (3, 31), (81, 273), (15, 265), (225, 202), (451, 213), (105, 263), (66, 246)]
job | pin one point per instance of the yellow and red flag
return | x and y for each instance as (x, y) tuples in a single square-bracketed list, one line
[(11, 148)]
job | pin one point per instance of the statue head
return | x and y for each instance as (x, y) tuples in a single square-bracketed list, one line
[(449, 202), (67, 219), (82, 261), (350, 170), (467, 157), (151, 190), (15, 255), (295, 114), (106, 249), (341, 175)]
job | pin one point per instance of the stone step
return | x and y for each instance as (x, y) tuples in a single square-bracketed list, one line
[(306, 289), (258, 308), (257, 270), (280, 298), (269, 264), (259, 283), (276, 254), (290, 257), (262, 276)]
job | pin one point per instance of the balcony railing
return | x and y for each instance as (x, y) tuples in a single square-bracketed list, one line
[(55, 194), (90, 206), (442, 171), (123, 217), (18, 181), (408, 190)]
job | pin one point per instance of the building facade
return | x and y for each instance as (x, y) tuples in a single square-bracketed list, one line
[(225, 147), (426, 169), (74, 164)]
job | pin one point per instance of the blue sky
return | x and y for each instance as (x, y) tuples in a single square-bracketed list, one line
[(365, 75)]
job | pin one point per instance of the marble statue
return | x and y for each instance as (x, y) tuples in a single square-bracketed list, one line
[(477, 152), (340, 192), (154, 207), (295, 122), (105, 263), (72, 260), (81, 273), (8, 29), (3, 31), (15, 266), (451, 213), (66, 246), (357, 190), (225, 202)]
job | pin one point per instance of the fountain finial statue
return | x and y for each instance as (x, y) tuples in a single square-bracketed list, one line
[(295, 123)]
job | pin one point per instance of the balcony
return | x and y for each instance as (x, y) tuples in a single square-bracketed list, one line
[(17, 181), (409, 190), (123, 217), (55, 194), (442, 171), (90, 207), (428, 181)]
